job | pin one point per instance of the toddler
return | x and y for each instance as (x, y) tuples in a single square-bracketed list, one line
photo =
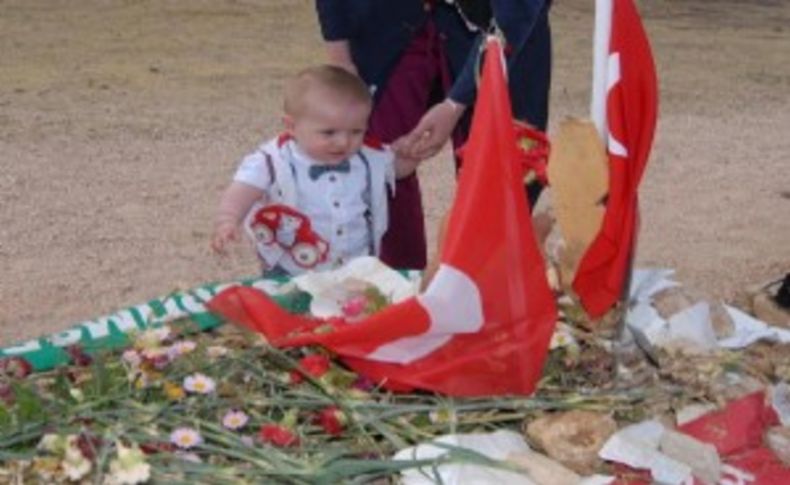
[(315, 196)]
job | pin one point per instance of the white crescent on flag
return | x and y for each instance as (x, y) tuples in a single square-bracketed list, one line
[(614, 144)]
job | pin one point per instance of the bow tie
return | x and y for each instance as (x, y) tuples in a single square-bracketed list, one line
[(316, 171)]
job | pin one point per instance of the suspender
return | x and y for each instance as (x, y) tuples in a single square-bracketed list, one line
[(367, 198), (367, 194)]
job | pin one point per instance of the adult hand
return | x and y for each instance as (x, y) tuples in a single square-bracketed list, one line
[(432, 131)]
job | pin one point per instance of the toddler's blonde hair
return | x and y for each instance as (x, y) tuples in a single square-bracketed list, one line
[(338, 81)]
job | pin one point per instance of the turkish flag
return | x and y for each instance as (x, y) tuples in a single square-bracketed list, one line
[(630, 121), (483, 325)]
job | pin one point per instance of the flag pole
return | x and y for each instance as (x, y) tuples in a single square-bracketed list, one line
[(601, 44)]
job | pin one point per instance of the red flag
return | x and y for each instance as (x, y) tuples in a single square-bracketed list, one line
[(737, 433), (631, 107), (484, 324)]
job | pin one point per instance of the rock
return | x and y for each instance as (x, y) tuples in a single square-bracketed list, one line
[(701, 457), (778, 439), (573, 438), (543, 470)]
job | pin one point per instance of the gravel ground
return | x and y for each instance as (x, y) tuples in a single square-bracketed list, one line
[(121, 121)]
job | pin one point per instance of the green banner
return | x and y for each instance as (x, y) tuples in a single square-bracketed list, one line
[(112, 331)]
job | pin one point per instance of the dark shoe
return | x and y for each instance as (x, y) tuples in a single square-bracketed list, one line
[(782, 297)]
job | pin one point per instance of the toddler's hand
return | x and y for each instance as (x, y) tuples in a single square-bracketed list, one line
[(224, 232), (405, 164)]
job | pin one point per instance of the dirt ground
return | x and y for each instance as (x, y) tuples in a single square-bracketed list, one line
[(121, 120)]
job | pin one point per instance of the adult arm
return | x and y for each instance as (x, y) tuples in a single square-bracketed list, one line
[(516, 20), (336, 29)]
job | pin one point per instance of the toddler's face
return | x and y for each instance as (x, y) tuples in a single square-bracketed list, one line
[(330, 129)]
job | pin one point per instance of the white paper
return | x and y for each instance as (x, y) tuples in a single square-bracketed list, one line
[(497, 445), (637, 447), (329, 289), (648, 327), (693, 325), (647, 282), (780, 401), (749, 330)]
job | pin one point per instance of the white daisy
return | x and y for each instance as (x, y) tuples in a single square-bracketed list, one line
[(199, 383), (185, 438), (180, 348), (235, 420)]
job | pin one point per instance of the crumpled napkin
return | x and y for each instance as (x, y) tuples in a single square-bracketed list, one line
[(330, 289), (497, 446)]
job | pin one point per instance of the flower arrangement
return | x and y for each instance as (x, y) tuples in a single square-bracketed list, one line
[(223, 407), (179, 405)]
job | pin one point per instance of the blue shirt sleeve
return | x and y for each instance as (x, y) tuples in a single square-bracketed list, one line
[(334, 19)]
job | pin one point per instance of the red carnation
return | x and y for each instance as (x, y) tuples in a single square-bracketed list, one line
[(7, 394), (157, 447), (313, 365), (15, 367), (332, 420), (78, 356), (278, 435)]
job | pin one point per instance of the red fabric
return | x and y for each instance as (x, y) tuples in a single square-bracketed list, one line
[(735, 428), (489, 240), (737, 433), (631, 117), (762, 463)]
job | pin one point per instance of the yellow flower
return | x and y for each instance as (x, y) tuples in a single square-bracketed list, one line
[(173, 391)]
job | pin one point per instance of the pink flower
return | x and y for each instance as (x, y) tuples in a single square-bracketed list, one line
[(180, 348), (199, 383), (132, 357), (157, 357), (235, 419), (278, 435), (185, 438), (354, 307)]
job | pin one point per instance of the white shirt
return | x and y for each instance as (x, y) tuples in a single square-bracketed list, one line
[(336, 203)]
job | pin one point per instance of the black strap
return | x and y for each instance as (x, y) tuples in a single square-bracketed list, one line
[(367, 198)]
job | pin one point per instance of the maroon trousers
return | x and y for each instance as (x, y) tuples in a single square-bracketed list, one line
[(409, 92)]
